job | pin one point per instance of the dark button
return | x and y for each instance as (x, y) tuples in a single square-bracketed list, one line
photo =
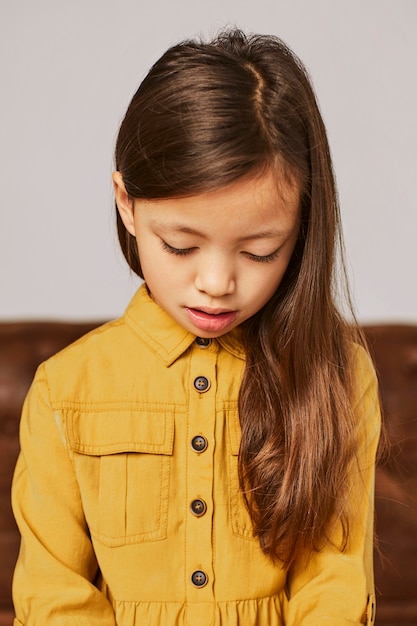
[(201, 383), (199, 578), (199, 443), (371, 612), (198, 507), (203, 342)]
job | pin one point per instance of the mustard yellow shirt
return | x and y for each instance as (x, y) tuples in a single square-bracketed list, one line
[(127, 498)]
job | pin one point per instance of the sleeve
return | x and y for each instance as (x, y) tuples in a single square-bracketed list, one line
[(337, 588), (56, 568)]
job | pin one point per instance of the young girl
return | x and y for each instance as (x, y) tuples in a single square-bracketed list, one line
[(208, 459)]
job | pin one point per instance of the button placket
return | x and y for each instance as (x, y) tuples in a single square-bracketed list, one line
[(201, 426)]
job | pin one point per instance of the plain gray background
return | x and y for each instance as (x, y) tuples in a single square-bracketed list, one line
[(68, 71)]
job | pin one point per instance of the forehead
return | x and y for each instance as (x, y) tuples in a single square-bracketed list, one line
[(266, 203)]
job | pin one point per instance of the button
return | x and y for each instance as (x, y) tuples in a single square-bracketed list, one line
[(198, 507), (199, 443), (201, 384), (199, 578), (370, 612), (203, 342)]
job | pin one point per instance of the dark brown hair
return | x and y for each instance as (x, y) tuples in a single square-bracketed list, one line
[(206, 115)]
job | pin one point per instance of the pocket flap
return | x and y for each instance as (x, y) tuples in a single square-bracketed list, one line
[(111, 431)]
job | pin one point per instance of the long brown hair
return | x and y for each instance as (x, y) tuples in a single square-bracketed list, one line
[(206, 115)]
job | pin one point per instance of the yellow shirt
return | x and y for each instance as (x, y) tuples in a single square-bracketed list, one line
[(127, 498)]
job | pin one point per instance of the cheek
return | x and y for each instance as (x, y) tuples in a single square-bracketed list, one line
[(159, 269), (148, 248), (271, 281), (263, 285), (148, 258), (272, 276)]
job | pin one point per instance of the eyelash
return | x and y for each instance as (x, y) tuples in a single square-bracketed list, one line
[(263, 259), (176, 251), (252, 257)]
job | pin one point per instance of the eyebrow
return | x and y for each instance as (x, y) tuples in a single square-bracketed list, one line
[(182, 228), (267, 234)]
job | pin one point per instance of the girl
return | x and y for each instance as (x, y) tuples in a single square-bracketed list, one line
[(208, 459)]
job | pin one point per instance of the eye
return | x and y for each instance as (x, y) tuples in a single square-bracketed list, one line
[(263, 259), (176, 251)]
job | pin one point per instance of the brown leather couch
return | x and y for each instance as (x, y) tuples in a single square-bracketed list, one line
[(24, 345)]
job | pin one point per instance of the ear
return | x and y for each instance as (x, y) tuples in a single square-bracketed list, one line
[(124, 203)]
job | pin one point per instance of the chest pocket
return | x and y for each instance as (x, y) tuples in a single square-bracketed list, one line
[(239, 517), (122, 459)]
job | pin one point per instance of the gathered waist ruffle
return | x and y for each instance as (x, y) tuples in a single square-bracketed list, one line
[(267, 611)]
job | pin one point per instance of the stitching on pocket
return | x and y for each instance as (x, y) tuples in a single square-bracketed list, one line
[(239, 516)]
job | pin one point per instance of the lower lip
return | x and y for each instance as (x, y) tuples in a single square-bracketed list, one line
[(210, 322)]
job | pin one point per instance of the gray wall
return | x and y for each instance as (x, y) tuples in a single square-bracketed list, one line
[(68, 71)]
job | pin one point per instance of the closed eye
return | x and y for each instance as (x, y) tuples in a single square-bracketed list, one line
[(176, 251), (268, 258)]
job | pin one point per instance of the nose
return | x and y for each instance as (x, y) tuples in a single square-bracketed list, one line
[(216, 277)]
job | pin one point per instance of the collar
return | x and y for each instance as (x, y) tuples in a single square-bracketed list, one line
[(163, 335)]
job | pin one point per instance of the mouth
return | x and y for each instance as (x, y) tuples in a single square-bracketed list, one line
[(212, 320)]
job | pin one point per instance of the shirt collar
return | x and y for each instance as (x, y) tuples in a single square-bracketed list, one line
[(163, 335)]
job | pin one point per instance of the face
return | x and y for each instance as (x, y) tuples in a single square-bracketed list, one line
[(213, 260)]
